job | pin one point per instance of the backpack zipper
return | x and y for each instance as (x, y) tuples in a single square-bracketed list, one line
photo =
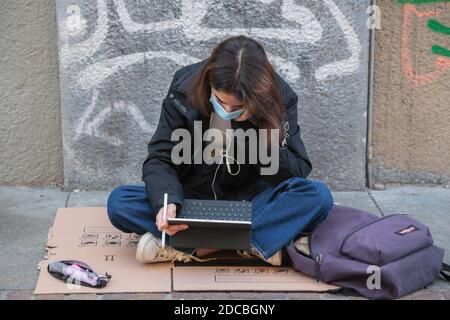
[(317, 264), (309, 243), (362, 227), (317, 259)]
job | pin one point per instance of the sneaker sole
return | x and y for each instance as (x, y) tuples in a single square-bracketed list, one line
[(140, 249)]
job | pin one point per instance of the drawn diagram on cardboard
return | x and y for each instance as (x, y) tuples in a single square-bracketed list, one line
[(107, 237), (257, 275)]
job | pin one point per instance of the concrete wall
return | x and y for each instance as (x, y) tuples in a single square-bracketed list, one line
[(411, 131), (116, 66), (117, 58), (30, 125)]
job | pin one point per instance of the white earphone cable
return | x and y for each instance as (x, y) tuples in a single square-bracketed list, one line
[(224, 154)]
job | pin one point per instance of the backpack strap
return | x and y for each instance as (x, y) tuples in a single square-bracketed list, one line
[(445, 272)]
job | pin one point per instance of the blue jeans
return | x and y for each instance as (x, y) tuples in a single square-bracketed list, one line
[(280, 214)]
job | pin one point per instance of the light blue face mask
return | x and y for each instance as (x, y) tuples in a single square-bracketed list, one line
[(222, 112)]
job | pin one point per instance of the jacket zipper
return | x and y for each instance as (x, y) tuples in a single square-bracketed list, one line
[(362, 227)]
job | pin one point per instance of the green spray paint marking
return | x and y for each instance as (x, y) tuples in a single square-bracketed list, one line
[(438, 27), (440, 51), (421, 1), (434, 25)]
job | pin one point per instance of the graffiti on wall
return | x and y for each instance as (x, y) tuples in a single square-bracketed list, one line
[(85, 36), (308, 32), (442, 61)]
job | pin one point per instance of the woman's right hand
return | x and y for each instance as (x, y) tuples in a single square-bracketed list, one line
[(163, 225)]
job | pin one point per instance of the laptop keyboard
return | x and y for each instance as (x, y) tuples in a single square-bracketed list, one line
[(216, 210)]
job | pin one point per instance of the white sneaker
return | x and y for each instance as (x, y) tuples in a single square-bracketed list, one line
[(302, 245), (149, 250), (275, 260)]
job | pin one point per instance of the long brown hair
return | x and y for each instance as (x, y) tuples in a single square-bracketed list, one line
[(239, 66)]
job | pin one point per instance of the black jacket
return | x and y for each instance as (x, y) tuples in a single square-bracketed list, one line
[(161, 175)]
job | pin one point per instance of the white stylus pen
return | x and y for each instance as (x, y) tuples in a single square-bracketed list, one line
[(164, 217)]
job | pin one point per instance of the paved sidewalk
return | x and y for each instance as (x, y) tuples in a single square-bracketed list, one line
[(27, 213)]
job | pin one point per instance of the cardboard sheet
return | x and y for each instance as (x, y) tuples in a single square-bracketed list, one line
[(242, 278), (86, 234)]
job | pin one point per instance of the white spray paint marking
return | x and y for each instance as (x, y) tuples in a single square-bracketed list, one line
[(346, 66), (266, 1), (91, 127), (194, 11), (304, 17), (309, 31), (81, 127), (94, 128), (287, 68), (132, 26), (88, 47), (96, 73), (138, 117), (75, 24)]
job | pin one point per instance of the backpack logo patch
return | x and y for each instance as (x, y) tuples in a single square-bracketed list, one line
[(407, 230)]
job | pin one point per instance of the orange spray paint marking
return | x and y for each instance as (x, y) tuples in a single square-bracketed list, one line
[(442, 63)]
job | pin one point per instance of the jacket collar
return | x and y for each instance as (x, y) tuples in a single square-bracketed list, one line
[(181, 86)]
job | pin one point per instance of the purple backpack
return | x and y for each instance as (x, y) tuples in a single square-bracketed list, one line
[(380, 258)]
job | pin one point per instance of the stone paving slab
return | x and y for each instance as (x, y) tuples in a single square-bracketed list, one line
[(88, 199), (429, 205), (359, 200), (26, 214)]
